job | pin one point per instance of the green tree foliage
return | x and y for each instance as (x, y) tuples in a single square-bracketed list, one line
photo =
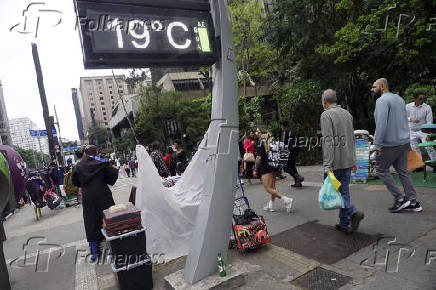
[(33, 159), (125, 143), (253, 55), (158, 109), (300, 104), (344, 45), (103, 135), (389, 38), (193, 116)]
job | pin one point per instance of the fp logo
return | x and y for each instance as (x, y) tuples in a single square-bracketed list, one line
[(32, 18)]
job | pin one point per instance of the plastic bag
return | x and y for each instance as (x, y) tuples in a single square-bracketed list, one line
[(329, 195)]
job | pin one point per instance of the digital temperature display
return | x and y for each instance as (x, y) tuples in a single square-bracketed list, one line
[(123, 36)]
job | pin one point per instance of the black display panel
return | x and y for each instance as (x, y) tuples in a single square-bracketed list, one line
[(124, 35)]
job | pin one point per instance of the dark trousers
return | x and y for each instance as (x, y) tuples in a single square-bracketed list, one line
[(248, 170), (4, 275), (397, 157), (291, 167), (93, 206)]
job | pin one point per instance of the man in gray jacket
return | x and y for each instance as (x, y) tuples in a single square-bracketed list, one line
[(392, 140), (339, 156)]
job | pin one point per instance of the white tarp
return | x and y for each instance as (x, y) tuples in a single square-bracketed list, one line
[(168, 214)]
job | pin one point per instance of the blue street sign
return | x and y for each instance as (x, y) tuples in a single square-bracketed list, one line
[(42, 133), (67, 149)]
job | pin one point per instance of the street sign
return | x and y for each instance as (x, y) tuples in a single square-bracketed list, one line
[(43, 133), (68, 149), (143, 33), (33, 133)]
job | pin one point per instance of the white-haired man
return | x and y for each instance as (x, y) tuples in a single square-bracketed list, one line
[(339, 156), (392, 140), (419, 113)]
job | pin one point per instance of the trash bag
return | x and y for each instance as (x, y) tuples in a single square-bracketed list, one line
[(329, 195)]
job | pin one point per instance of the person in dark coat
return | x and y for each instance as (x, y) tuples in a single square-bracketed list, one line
[(93, 176), (289, 141)]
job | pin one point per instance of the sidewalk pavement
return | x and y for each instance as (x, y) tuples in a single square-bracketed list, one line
[(403, 256)]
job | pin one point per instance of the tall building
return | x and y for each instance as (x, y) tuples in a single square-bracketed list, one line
[(79, 114), (5, 134), (20, 133), (100, 94)]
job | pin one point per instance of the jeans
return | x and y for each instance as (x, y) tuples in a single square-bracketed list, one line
[(344, 176)]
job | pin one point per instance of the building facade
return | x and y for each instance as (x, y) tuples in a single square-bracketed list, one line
[(5, 134), (79, 114), (20, 134), (100, 95)]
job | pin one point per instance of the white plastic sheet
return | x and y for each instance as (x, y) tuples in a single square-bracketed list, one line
[(169, 214)]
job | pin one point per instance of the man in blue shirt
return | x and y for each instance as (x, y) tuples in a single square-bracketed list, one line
[(392, 140)]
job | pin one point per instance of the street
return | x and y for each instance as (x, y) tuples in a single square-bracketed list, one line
[(400, 253)]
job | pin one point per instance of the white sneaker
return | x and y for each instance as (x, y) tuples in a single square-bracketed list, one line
[(267, 208), (288, 204)]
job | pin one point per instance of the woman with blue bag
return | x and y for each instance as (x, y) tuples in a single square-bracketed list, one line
[(339, 159)]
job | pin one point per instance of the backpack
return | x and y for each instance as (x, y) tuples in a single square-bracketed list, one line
[(36, 188)]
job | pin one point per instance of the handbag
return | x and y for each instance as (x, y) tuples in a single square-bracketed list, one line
[(414, 160), (249, 157), (329, 196)]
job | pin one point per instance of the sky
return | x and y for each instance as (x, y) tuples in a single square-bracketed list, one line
[(60, 55)]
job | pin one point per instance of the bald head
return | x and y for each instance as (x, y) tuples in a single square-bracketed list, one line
[(383, 83), (379, 87)]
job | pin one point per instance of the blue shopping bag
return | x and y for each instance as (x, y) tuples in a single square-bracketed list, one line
[(329, 195)]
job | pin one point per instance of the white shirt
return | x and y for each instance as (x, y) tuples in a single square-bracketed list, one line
[(421, 113)]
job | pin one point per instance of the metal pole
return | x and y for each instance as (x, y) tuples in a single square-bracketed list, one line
[(214, 216), (34, 158), (59, 134), (45, 111), (40, 148)]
